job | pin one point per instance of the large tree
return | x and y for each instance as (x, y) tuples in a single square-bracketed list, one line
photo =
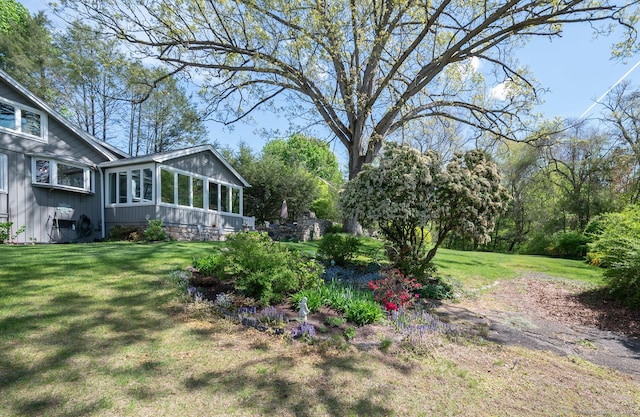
[(579, 163), (622, 115), (26, 51), (366, 68), (95, 74)]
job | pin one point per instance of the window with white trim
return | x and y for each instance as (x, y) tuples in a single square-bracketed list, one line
[(25, 121), (130, 186), (57, 174), (4, 187), (189, 190)]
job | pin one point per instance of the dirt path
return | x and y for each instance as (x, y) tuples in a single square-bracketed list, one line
[(546, 313)]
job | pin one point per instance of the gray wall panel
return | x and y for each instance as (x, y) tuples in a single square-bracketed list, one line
[(204, 164)]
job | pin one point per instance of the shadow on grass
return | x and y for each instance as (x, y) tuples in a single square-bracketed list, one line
[(50, 336), (613, 315), (264, 385)]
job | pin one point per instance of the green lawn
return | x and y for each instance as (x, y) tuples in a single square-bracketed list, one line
[(476, 269), (96, 330)]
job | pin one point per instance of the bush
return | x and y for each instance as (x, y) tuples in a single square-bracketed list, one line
[(437, 289), (617, 248), (334, 228), (266, 270), (338, 247), (314, 296), (570, 245), (538, 244), (154, 231), (121, 232), (213, 265), (5, 231), (395, 290), (358, 306), (362, 311)]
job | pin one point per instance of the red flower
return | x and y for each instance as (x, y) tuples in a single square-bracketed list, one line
[(390, 306)]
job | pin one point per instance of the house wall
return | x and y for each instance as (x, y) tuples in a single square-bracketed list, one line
[(204, 163), (36, 207)]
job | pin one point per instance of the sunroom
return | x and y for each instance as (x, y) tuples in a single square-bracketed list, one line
[(194, 191)]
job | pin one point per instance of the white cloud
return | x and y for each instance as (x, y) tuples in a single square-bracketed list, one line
[(499, 92), (475, 63)]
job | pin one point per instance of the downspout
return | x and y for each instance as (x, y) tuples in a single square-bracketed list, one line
[(102, 212)]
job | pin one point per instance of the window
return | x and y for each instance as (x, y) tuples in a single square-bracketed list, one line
[(130, 186), (43, 171), (168, 186), (4, 187), (70, 175), (224, 198), (112, 187), (30, 122), (191, 190), (184, 190), (235, 201), (49, 172), (22, 120), (7, 116), (122, 187), (197, 187), (213, 196)]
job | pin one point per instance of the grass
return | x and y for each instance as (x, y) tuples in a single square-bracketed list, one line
[(476, 269), (96, 330)]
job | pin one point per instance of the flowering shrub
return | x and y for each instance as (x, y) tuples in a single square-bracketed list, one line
[(303, 330), (408, 191), (395, 290), (416, 326)]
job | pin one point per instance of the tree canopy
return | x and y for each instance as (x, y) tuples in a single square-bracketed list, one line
[(365, 68)]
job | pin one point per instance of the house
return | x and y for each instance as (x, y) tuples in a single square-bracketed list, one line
[(64, 185)]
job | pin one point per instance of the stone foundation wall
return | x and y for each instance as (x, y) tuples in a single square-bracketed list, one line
[(190, 233)]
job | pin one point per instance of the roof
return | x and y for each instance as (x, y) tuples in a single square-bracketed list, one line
[(161, 157), (110, 152)]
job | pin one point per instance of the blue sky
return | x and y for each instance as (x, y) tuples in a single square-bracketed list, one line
[(575, 68)]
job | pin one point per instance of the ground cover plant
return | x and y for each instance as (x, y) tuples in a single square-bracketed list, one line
[(101, 329)]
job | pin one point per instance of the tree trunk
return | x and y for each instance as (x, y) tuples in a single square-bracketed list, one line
[(432, 253), (356, 162), (351, 225)]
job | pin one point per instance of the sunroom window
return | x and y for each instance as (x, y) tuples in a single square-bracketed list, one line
[(130, 186), (192, 190), (22, 120)]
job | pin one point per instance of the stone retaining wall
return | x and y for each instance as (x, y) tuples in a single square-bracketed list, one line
[(306, 229)]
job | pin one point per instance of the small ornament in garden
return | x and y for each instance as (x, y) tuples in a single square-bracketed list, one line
[(303, 310)]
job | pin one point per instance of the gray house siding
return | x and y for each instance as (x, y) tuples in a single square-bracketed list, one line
[(49, 213), (204, 164)]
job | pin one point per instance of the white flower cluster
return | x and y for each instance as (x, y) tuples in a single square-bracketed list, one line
[(409, 190)]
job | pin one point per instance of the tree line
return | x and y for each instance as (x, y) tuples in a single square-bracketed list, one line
[(89, 78)]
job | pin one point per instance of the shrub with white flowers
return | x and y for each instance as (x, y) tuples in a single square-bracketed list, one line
[(410, 196)]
